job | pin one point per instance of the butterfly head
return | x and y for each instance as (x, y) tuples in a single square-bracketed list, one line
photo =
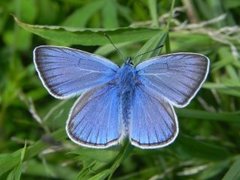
[(129, 61)]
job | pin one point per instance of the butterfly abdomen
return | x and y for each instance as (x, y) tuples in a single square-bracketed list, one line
[(126, 100)]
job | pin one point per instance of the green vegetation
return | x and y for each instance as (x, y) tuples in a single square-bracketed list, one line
[(33, 141)]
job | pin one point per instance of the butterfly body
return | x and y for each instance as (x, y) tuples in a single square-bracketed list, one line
[(127, 101), (126, 83)]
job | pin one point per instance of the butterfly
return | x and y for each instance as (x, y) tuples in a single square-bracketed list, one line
[(116, 102)]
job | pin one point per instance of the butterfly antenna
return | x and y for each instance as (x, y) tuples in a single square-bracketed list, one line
[(149, 51), (110, 40)]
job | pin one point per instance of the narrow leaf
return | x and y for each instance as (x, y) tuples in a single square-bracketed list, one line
[(83, 36), (234, 171)]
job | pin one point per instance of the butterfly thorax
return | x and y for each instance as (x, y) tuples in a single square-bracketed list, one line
[(126, 78), (126, 84)]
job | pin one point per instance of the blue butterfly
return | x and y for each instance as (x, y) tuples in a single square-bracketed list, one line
[(134, 101)]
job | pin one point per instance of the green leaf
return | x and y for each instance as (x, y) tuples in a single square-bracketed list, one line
[(57, 171), (151, 47), (83, 36), (15, 174), (234, 171), (102, 175), (107, 49), (101, 155), (214, 169), (109, 13), (27, 10), (80, 17), (9, 161), (230, 88), (125, 12), (210, 116), (152, 4), (231, 4), (192, 148)]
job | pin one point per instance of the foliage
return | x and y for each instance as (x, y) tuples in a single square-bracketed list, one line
[(33, 142)]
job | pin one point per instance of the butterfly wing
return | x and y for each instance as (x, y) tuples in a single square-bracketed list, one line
[(177, 77), (153, 123), (94, 120), (66, 72)]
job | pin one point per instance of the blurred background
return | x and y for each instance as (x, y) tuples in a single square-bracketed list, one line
[(33, 141)]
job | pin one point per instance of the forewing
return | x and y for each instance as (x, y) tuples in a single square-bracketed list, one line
[(94, 120), (178, 77), (66, 72), (153, 122)]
